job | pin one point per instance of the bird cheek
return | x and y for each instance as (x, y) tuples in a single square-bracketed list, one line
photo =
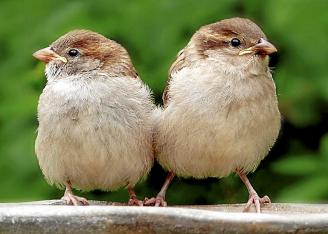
[(90, 65), (51, 71), (266, 59)]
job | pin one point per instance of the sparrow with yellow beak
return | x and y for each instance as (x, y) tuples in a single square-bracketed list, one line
[(95, 117), (220, 107)]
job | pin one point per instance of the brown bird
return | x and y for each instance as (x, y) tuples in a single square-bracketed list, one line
[(95, 117), (220, 107)]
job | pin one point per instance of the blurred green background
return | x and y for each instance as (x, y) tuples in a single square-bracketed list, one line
[(153, 31)]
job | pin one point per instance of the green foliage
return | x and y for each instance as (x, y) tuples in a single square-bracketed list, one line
[(153, 32), (312, 170)]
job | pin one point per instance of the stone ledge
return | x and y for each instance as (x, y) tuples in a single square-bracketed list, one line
[(53, 217)]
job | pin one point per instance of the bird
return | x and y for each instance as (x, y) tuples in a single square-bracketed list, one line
[(220, 113), (95, 117)]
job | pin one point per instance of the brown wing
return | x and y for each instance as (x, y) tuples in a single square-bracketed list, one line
[(192, 52), (178, 64)]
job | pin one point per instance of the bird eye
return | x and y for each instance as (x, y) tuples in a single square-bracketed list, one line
[(235, 42), (73, 52)]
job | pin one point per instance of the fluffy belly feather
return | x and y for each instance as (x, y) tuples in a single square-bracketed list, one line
[(96, 142), (216, 124), (206, 144)]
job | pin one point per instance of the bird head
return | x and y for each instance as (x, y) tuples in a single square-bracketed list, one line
[(237, 42), (83, 52)]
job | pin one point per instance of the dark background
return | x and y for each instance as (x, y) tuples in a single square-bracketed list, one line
[(153, 31)]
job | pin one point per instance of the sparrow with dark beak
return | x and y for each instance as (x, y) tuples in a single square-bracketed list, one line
[(220, 107), (95, 117)]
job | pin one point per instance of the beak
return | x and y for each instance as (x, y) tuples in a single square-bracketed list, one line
[(263, 47), (46, 55)]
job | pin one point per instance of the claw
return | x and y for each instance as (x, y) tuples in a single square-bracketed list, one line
[(135, 202), (71, 199), (157, 202), (160, 198), (257, 201), (253, 196)]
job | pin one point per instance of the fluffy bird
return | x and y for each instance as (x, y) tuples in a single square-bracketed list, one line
[(95, 117), (220, 107)]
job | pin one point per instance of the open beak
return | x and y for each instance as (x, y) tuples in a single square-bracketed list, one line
[(263, 48), (46, 55)]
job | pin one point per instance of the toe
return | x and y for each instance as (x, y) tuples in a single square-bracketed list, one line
[(67, 201), (157, 203), (149, 202), (83, 201), (140, 203), (257, 205), (160, 202), (135, 202), (164, 204), (248, 204), (265, 199), (74, 201), (257, 201)]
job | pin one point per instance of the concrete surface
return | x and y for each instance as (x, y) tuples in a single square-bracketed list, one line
[(102, 217)]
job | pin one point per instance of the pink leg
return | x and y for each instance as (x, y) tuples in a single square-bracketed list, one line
[(253, 196), (71, 199), (160, 198), (133, 201)]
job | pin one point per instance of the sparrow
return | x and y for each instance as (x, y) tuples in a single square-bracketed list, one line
[(220, 111), (95, 117)]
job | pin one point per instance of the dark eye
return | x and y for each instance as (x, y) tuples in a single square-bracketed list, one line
[(73, 52), (235, 42)]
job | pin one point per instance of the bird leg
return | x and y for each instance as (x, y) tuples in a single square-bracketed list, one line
[(72, 199), (160, 198), (133, 201), (253, 196)]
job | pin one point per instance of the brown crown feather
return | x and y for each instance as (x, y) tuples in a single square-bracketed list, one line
[(211, 37), (115, 59)]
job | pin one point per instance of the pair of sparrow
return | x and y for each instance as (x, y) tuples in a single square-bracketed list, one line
[(99, 129)]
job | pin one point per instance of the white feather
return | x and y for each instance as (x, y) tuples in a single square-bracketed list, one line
[(95, 131), (219, 118)]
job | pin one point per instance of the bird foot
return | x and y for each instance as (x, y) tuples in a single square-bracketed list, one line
[(158, 201), (71, 199), (257, 201), (133, 201)]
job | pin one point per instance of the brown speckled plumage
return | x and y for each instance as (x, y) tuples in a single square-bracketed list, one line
[(95, 117), (220, 107)]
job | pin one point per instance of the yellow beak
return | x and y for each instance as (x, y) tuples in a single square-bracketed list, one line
[(47, 54), (263, 47)]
